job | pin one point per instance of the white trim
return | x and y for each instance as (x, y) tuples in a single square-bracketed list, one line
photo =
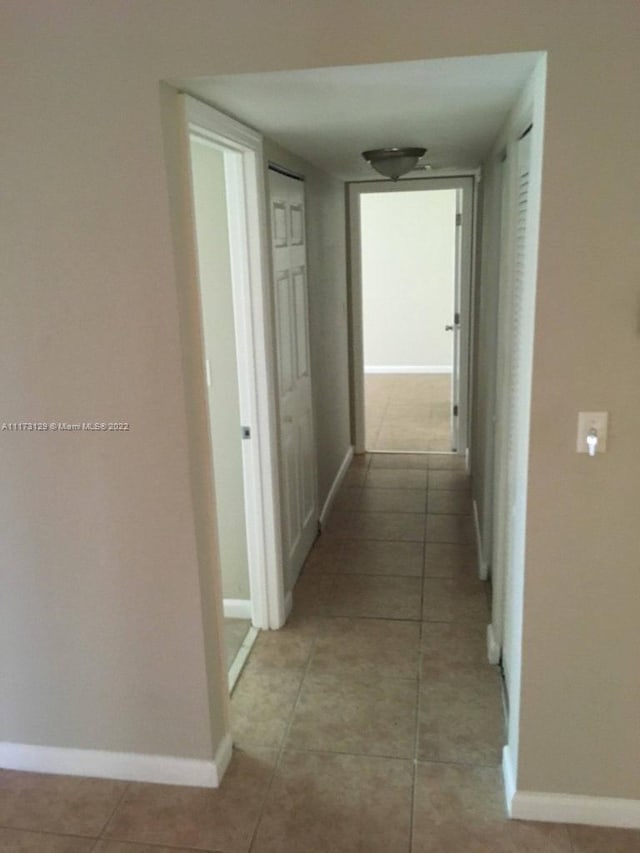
[(509, 778), (237, 608), (335, 487), (464, 183), (408, 368), (129, 766), (576, 808), (244, 174), (493, 646), (566, 808), (483, 566), (241, 657), (222, 759)]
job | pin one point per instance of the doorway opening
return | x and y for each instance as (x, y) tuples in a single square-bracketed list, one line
[(226, 194), (408, 303), (411, 264)]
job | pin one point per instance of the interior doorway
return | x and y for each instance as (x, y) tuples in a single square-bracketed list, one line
[(213, 201), (411, 279), (408, 301), (226, 197)]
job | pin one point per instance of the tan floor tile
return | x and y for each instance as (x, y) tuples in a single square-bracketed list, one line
[(367, 647), (312, 592), (376, 596), (454, 529), (461, 810), (355, 476), (460, 718), (386, 526), (419, 461), (418, 437), (287, 648), (337, 804), (223, 818), (324, 557), (341, 714), (507, 837), (18, 841), (393, 500), (447, 462), (454, 643), (125, 847), (599, 839), (448, 560), (449, 480), (452, 600), (261, 705), (467, 680), (452, 502), (369, 557), (63, 804), (396, 478), (348, 499), (451, 792)]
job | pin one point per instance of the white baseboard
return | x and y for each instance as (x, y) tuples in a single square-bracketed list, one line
[(493, 646), (483, 566), (241, 657), (335, 487), (128, 766), (576, 808), (509, 777), (566, 808), (237, 608), (408, 368)]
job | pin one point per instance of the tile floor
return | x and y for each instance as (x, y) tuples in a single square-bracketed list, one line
[(407, 412), (370, 724)]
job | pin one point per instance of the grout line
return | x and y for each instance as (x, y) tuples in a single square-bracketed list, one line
[(113, 812), (283, 741), (146, 846)]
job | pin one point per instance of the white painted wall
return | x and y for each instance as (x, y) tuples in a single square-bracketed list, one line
[(220, 345), (408, 271)]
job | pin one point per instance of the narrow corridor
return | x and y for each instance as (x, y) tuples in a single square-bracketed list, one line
[(371, 723)]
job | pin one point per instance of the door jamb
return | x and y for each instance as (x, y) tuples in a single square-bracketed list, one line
[(252, 310), (466, 182)]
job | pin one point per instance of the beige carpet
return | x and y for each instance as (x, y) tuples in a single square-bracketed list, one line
[(408, 411)]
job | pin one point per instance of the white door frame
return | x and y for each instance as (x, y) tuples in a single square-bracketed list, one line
[(246, 201), (465, 184)]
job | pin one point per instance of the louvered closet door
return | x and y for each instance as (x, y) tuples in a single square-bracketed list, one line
[(295, 412), (518, 392)]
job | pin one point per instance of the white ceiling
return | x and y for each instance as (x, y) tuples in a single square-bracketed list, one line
[(328, 116)]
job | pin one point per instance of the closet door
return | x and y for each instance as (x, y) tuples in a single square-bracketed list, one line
[(295, 410), (515, 341)]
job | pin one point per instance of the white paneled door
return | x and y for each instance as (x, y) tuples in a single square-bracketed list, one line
[(295, 410)]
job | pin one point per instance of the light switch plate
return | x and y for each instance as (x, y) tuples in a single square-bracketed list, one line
[(592, 420)]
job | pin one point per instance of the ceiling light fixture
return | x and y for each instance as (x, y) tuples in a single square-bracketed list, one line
[(394, 162)]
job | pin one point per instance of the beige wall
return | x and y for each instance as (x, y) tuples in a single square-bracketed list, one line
[(408, 277), (214, 262), (102, 554)]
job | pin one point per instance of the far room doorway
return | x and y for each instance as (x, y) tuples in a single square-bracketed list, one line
[(411, 262)]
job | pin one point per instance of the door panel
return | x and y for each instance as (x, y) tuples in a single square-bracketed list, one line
[(295, 409)]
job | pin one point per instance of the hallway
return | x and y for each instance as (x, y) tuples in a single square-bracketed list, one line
[(370, 724)]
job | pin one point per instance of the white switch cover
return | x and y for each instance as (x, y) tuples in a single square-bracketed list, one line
[(588, 421)]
